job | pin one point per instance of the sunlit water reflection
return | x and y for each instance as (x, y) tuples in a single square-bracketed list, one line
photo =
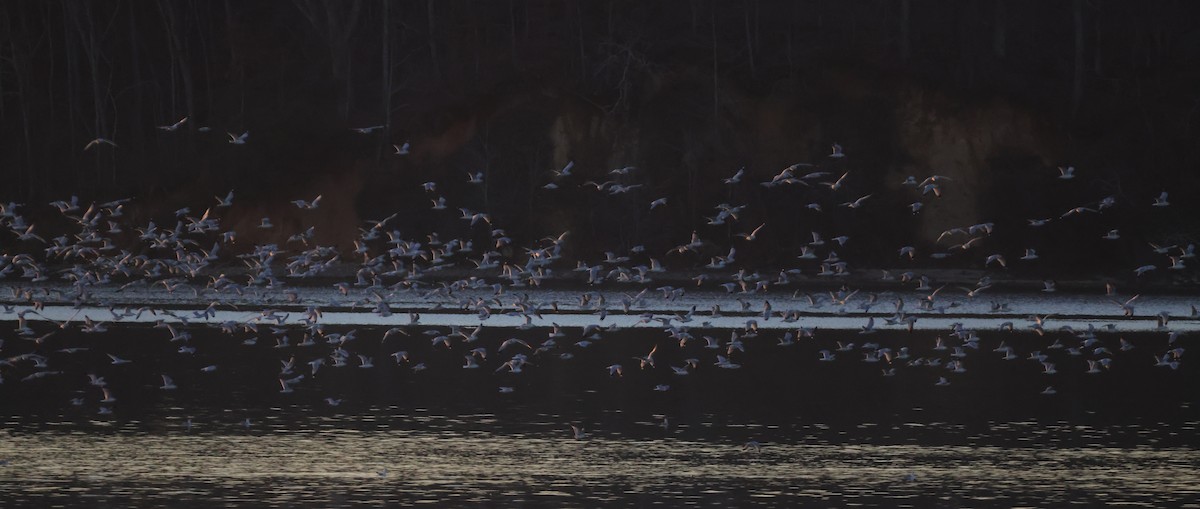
[(471, 466), (832, 434)]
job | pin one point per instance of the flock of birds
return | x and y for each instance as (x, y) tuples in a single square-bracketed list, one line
[(477, 269)]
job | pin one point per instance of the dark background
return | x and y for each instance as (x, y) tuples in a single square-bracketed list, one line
[(993, 93)]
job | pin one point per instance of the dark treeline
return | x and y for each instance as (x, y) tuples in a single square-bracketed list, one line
[(687, 91)]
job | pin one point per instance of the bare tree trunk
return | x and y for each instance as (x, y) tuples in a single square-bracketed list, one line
[(204, 32), (179, 59), (512, 29), (135, 59), (236, 65), (998, 31), (88, 33), (582, 56), (1077, 86), (72, 75), (905, 34), (716, 76), (750, 44), (433, 41), (386, 70), (25, 174), (1097, 61), (336, 25)]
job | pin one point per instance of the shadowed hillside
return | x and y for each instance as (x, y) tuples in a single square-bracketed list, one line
[(993, 94)]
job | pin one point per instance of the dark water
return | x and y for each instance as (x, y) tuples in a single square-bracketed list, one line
[(832, 434)]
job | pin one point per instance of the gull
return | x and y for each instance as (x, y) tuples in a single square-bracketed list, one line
[(265, 223), (826, 356), (1161, 249), (856, 203), (837, 184), (117, 360), (724, 363), (578, 433), (975, 292), (470, 362), (915, 206), (753, 234), (367, 130), (1161, 201), (307, 204), (167, 384), (837, 152), (1030, 254), (566, 171), (942, 381), (108, 397), (869, 327), (737, 177), (333, 402), (933, 179), (401, 150), (1076, 210), (658, 203), (648, 360), (209, 369), (1048, 286), (614, 369), (1039, 222), (29, 235), (1111, 235), (753, 445), (225, 202), (174, 126), (998, 258), (475, 178), (1144, 269), (238, 139), (99, 141), (1049, 391), (513, 342), (284, 387), (1066, 173)]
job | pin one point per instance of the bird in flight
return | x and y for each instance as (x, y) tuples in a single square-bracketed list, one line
[(174, 126), (104, 141)]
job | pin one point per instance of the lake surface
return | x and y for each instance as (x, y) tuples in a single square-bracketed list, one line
[(829, 433)]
